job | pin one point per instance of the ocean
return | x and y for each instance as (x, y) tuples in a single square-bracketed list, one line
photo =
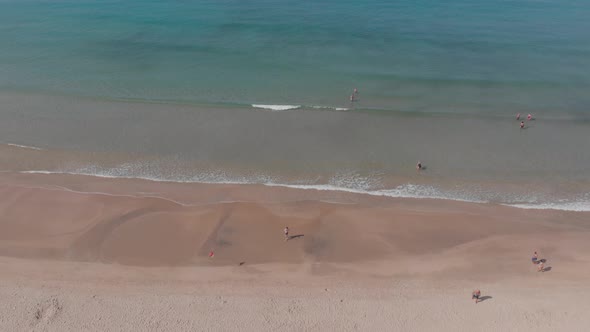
[(259, 92)]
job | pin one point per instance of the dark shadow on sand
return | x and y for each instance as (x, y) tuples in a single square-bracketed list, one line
[(546, 269), (483, 298), (296, 236)]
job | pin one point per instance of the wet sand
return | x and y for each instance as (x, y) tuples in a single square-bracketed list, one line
[(86, 253)]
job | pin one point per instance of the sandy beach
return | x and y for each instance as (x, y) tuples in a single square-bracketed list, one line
[(88, 253), (294, 166)]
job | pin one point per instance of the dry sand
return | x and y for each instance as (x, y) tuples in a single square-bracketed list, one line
[(84, 253)]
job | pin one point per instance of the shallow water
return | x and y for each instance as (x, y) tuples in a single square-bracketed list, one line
[(467, 158)]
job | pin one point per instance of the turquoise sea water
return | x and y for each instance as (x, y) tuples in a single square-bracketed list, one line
[(498, 56)]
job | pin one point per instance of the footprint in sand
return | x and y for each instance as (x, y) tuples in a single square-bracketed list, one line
[(46, 312)]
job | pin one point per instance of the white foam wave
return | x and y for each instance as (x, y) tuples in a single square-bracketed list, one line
[(24, 146), (565, 206), (403, 191), (358, 186), (116, 174), (276, 107), (331, 108), (46, 172)]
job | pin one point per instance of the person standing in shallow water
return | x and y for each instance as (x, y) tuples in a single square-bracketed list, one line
[(521, 124), (355, 91), (419, 166)]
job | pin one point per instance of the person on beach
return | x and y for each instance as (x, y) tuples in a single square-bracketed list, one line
[(535, 258), (286, 231), (521, 124), (475, 295), (419, 166), (518, 116), (541, 267)]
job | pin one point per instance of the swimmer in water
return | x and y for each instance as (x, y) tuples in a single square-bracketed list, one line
[(521, 124), (356, 91), (352, 98), (518, 116), (419, 166), (529, 117)]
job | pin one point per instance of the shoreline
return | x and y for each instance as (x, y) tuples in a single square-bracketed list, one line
[(402, 191)]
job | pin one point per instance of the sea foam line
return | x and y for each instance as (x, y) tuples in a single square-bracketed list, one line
[(565, 206), (403, 191), (141, 196), (24, 146), (276, 107), (330, 108), (146, 178), (294, 107)]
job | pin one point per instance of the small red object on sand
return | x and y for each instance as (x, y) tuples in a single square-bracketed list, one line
[(211, 254)]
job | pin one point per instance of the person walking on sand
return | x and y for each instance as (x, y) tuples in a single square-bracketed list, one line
[(535, 258), (286, 231), (541, 267), (475, 295)]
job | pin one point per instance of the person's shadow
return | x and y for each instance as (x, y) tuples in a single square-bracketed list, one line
[(546, 268), (483, 298), (296, 236)]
